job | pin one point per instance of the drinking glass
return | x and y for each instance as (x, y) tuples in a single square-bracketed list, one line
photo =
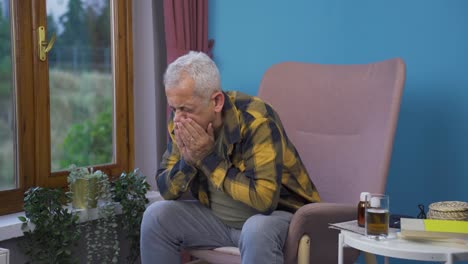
[(377, 216)]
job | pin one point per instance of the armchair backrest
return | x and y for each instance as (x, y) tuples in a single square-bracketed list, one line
[(342, 120)]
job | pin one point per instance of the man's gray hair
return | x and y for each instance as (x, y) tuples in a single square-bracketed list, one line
[(200, 68)]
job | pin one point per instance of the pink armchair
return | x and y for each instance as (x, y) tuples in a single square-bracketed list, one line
[(342, 120)]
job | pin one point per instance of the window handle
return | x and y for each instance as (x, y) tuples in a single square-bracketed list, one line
[(44, 46)]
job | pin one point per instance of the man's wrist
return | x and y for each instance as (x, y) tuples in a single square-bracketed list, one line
[(199, 162), (209, 165), (187, 166)]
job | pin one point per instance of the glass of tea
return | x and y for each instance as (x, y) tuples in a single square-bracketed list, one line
[(377, 216)]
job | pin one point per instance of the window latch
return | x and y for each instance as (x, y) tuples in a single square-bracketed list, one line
[(44, 46)]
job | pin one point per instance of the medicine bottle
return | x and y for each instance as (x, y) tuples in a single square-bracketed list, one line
[(361, 209)]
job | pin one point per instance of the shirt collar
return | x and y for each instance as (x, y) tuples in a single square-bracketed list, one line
[(231, 124)]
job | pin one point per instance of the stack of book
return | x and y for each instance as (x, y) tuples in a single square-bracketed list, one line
[(433, 229)]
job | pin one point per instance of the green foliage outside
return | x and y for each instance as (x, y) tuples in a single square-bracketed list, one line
[(74, 24), (5, 71), (89, 142), (81, 86), (5, 57), (84, 39), (6, 128)]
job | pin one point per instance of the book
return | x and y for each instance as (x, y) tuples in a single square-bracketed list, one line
[(434, 229)]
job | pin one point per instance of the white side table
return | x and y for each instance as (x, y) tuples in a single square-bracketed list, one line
[(4, 256), (405, 249)]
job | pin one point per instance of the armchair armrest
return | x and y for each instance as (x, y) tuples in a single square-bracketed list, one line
[(313, 219)]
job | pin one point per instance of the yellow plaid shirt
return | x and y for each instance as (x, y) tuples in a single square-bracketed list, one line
[(257, 164)]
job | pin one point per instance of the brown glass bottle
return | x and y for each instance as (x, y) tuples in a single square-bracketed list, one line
[(361, 209)]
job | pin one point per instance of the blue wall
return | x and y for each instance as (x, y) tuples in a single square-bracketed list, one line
[(430, 154)]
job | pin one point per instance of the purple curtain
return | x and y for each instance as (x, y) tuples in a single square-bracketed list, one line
[(186, 26)]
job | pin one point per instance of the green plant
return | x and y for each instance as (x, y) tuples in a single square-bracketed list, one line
[(84, 185), (130, 191), (50, 229), (100, 229), (82, 173)]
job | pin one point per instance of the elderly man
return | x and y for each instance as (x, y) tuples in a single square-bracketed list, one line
[(231, 152)]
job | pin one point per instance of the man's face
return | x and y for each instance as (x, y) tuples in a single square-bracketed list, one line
[(185, 104)]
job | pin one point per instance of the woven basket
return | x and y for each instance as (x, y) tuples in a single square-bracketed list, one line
[(448, 210)]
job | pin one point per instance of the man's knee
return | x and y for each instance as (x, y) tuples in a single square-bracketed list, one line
[(157, 213), (260, 228), (278, 219)]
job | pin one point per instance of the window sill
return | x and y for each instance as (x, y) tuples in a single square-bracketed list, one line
[(10, 225)]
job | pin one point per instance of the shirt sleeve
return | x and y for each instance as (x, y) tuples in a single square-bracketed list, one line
[(258, 184), (174, 175)]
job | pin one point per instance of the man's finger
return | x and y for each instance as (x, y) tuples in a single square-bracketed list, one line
[(194, 128), (210, 130), (184, 134)]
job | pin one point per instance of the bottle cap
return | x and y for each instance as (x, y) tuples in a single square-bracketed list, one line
[(363, 196)]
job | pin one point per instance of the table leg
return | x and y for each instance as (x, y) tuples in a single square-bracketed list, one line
[(449, 259), (369, 258), (386, 260), (340, 248)]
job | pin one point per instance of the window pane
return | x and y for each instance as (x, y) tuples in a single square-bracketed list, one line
[(81, 83), (7, 113)]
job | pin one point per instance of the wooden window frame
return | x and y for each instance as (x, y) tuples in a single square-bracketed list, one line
[(32, 101)]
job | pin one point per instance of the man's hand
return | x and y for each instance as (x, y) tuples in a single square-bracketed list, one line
[(194, 142)]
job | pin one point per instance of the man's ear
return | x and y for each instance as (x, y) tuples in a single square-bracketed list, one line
[(218, 98)]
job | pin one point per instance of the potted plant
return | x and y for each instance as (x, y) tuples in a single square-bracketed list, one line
[(83, 184), (102, 241), (130, 191), (91, 192), (50, 228)]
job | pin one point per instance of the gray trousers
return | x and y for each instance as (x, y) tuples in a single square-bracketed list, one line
[(169, 226)]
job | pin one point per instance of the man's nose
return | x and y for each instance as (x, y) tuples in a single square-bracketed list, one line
[(179, 115)]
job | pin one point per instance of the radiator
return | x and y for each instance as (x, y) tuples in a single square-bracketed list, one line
[(4, 256)]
